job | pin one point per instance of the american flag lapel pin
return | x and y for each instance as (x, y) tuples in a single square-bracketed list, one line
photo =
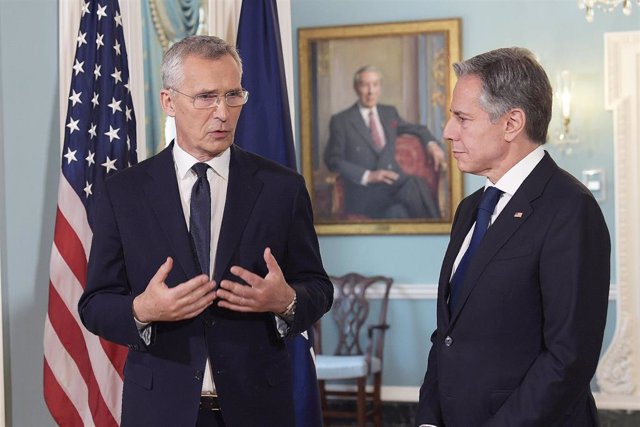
[(518, 215)]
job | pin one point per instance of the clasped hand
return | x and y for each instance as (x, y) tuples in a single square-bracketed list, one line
[(160, 302)]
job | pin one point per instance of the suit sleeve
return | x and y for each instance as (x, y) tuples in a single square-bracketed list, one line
[(335, 153), (303, 268), (574, 283), (420, 131), (105, 307), (428, 411)]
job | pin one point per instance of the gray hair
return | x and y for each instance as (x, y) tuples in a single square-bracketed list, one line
[(208, 47), (356, 76), (512, 78)]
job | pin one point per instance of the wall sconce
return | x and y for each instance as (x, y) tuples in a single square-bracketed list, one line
[(564, 94)]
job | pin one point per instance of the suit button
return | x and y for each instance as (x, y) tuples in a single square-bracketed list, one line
[(198, 375), (448, 341), (209, 322)]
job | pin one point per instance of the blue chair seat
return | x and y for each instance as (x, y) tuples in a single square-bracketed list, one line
[(338, 367)]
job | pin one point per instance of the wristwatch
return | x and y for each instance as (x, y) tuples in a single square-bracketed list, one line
[(290, 311)]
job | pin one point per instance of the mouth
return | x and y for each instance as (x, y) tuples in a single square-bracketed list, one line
[(457, 153), (219, 133)]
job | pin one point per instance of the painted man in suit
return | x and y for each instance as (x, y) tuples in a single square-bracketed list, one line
[(361, 149), (205, 332), (520, 321)]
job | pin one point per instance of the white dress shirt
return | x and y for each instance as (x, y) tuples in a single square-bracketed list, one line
[(509, 184), (365, 111), (218, 177)]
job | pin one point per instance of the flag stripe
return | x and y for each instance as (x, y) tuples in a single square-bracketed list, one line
[(70, 248), (73, 210), (70, 334), (103, 368), (61, 408), (64, 377)]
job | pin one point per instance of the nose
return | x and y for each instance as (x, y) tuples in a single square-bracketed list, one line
[(449, 129), (221, 110)]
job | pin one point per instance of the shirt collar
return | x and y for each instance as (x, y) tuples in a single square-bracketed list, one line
[(184, 161), (511, 181), (365, 110)]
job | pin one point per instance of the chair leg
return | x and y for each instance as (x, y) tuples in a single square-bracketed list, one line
[(362, 402), (377, 401), (323, 398)]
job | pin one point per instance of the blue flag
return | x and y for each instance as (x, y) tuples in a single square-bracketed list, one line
[(264, 128)]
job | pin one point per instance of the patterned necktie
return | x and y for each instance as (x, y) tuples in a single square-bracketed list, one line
[(375, 132), (486, 207), (200, 217)]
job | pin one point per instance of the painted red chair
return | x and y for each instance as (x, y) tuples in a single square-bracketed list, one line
[(413, 159)]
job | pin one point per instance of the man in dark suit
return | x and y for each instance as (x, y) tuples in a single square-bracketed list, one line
[(361, 149), (521, 314), (203, 354)]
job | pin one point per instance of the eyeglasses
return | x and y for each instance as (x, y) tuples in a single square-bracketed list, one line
[(203, 101)]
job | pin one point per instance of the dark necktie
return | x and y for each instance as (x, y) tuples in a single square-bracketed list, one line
[(375, 132), (483, 217), (200, 217)]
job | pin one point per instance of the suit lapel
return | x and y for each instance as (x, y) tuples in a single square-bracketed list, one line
[(242, 191), (163, 196), (358, 123), (463, 222), (386, 120), (514, 215)]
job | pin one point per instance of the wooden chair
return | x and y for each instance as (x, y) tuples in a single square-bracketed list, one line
[(351, 360)]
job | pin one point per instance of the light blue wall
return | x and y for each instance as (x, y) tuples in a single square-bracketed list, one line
[(558, 33), (29, 163), (29, 177)]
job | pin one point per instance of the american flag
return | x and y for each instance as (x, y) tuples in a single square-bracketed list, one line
[(83, 374)]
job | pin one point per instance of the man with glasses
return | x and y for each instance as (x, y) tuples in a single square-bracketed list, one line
[(203, 258)]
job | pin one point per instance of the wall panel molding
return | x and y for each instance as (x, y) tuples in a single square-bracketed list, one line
[(420, 291), (618, 374)]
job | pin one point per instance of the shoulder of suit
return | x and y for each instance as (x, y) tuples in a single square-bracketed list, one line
[(133, 171), (242, 158)]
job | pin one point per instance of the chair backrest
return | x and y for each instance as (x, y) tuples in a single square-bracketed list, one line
[(351, 312)]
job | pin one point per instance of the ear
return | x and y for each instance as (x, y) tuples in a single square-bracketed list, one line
[(166, 101), (514, 125)]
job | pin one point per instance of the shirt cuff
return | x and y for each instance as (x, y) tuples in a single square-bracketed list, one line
[(144, 329), (282, 326), (365, 177)]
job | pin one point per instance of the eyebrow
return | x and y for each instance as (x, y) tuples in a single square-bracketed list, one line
[(216, 91), (459, 113)]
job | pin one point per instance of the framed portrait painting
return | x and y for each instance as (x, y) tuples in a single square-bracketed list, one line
[(374, 101)]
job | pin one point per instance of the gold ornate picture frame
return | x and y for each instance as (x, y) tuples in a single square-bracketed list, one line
[(414, 61)]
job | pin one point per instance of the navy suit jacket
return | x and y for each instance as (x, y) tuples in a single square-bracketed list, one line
[(524, 340), (139, 223), (351, 151)]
